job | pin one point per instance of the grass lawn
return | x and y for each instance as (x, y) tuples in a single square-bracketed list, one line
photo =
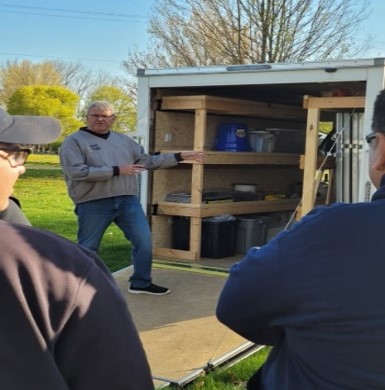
[(43, 195), (229, 378)]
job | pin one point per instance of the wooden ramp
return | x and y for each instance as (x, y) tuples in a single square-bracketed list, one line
[(179, 331)]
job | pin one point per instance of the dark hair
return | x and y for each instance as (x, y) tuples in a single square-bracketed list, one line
[(378, 120)]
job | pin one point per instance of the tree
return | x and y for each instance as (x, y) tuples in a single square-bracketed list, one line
[(124, 106), (81, 80), (214, 32), (14, 75), (74, 76), (55, 101)]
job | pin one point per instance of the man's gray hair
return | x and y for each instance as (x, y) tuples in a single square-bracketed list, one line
[(103, 104)]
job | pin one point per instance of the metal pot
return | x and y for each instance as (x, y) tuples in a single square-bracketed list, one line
[(245, 187)]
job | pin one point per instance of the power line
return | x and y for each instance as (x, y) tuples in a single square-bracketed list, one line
[(73, 17), (106, 16), (73, 11), (61, 58), (123, 17)]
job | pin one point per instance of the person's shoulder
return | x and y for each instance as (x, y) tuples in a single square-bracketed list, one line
[(71, 137), (339, 209), (327, 210), (15, 200), (42, 261), (13, 213), (32, 233), (331, 218), (28, 242)]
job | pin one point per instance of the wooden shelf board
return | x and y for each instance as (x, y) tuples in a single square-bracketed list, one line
[(228, 106), (175, 253), (213, 209), (258, 206), (334, 102), (245, 158), (179, 209)]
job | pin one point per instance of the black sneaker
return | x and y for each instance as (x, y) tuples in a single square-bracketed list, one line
[(152, 289)]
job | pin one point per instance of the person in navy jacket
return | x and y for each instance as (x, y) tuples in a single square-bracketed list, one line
[(316, 292)]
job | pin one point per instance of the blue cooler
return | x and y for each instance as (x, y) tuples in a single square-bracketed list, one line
[(232, 137)]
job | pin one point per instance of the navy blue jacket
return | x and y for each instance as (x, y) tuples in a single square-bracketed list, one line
[(317, 294)]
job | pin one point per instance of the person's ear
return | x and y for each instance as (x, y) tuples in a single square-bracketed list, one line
[(378, 159)]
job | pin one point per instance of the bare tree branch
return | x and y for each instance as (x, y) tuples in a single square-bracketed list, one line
[(214, 32)]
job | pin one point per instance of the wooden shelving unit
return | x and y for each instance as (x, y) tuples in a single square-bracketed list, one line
[(200, 107)]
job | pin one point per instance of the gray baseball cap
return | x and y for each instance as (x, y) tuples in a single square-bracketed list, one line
[(28, 129)]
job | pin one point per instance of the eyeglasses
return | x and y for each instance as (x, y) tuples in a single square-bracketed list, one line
[(16, 156), (101, 116), (370, 137)]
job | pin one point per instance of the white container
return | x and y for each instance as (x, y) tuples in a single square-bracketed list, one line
[(262, 141)]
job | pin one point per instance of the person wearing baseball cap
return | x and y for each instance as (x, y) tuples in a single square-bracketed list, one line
[(64, 323), (17, 134)]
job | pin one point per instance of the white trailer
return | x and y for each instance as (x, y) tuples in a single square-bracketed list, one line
[(325, 91)]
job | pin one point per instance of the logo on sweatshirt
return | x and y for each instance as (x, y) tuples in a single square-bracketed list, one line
[(95, 147)]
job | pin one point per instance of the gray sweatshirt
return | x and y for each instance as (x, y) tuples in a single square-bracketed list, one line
[(90, 164), (14, 214)]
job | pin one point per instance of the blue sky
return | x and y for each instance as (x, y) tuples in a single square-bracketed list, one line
[(95, 33), (99, 33)]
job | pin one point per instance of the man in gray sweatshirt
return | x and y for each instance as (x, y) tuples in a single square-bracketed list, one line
[(100, 167)]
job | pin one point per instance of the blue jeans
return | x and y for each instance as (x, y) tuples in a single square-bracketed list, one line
[(126, 212)]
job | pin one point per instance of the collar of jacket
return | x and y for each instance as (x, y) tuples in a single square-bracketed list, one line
[(380, 193)]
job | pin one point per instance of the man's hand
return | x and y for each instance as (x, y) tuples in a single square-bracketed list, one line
[(131, 169), (193, 156)]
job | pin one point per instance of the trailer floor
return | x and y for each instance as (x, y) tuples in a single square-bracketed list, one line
[(179, 331)]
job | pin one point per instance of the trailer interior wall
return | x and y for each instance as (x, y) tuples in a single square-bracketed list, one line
[(280, 83), (171, 127)]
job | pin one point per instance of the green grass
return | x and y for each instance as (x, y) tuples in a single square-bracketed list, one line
[(43, 196), (44, 159), (230, 378), (44, 199)]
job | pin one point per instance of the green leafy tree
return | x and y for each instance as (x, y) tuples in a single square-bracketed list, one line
[(72, 75), (55, 101), (124, 104), (14, 75)]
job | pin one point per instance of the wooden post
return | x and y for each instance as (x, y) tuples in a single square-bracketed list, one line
[(197, 182), (311, 154), (314, 105)]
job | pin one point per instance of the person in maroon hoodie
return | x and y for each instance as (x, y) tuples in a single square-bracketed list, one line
[(64, 323)]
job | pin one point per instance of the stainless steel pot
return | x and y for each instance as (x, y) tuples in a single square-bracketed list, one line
[(245, 187)]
